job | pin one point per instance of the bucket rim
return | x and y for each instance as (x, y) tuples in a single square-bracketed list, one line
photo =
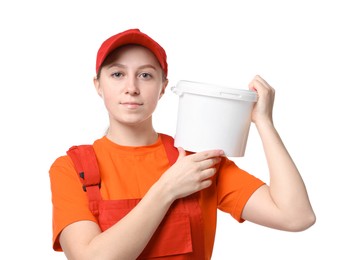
[(213, 90)]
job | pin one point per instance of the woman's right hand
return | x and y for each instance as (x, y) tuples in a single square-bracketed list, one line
[(190, 173)]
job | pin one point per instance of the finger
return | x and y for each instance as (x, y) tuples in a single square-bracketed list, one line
[(205, 184), (255, 84), (208, 163), (261, 87), (262, 81), (252, 85), (182, 153), (201, 156), (208, 173)]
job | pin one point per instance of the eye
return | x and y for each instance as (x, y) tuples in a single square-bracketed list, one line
[(116, 74), (145, 75)]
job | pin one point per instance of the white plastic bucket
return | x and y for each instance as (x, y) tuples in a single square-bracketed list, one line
[(213, 117)]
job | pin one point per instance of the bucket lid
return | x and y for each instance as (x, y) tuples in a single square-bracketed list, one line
[(205, 89)]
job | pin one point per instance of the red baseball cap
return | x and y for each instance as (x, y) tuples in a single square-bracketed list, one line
[(131, 36)]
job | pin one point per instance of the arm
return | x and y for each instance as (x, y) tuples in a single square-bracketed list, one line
[(128, 238), (284, 204)]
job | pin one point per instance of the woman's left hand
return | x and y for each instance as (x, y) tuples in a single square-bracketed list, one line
[(263, 109)]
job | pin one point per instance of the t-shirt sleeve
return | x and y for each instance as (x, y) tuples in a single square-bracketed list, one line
[(69, 201), (234, 188)]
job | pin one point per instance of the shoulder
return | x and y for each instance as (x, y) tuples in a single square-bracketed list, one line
[(64, 179), (61, 161), (230, 174), (61, 169), (65, 161)]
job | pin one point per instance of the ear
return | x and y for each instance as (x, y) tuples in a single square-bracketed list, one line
[(164, 86), (97, 86)]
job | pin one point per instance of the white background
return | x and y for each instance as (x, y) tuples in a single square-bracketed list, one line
[(48, 103)]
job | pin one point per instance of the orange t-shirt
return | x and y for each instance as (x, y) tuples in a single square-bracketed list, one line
[(129, 172)]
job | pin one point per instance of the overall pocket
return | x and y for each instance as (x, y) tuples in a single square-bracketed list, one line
[(173, 236)]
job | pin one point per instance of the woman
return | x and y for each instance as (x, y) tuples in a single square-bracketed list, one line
[(151, 206)]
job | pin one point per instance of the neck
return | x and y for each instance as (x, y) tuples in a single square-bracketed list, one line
[(132, 135)]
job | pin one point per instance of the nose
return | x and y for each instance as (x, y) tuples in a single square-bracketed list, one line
[(131, 87)]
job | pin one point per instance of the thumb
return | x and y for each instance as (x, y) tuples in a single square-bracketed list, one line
[(182, 153)]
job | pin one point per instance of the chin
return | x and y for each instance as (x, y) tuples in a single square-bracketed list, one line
[(135, 121)]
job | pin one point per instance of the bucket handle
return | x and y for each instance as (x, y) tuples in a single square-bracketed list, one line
[(176, 91), (230, 95), (214, 94)]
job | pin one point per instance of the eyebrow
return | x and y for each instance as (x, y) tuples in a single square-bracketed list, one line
[(140, 67)]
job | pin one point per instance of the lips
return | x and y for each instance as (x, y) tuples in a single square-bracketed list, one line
[(131, 105)]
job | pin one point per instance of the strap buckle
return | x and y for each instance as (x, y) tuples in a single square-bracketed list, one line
[(84, 186)]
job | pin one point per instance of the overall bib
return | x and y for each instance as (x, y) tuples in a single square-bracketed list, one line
[(180, 235)]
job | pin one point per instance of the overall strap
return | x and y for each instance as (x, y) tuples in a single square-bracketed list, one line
[(172, 152), (190, 203), (86, 166)]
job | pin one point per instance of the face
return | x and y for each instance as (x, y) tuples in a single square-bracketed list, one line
[(131, 83)]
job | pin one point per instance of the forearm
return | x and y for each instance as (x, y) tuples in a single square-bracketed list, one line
[(128, 238), (287, 188)]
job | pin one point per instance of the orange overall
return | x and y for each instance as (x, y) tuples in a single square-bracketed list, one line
[(179, 236)]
